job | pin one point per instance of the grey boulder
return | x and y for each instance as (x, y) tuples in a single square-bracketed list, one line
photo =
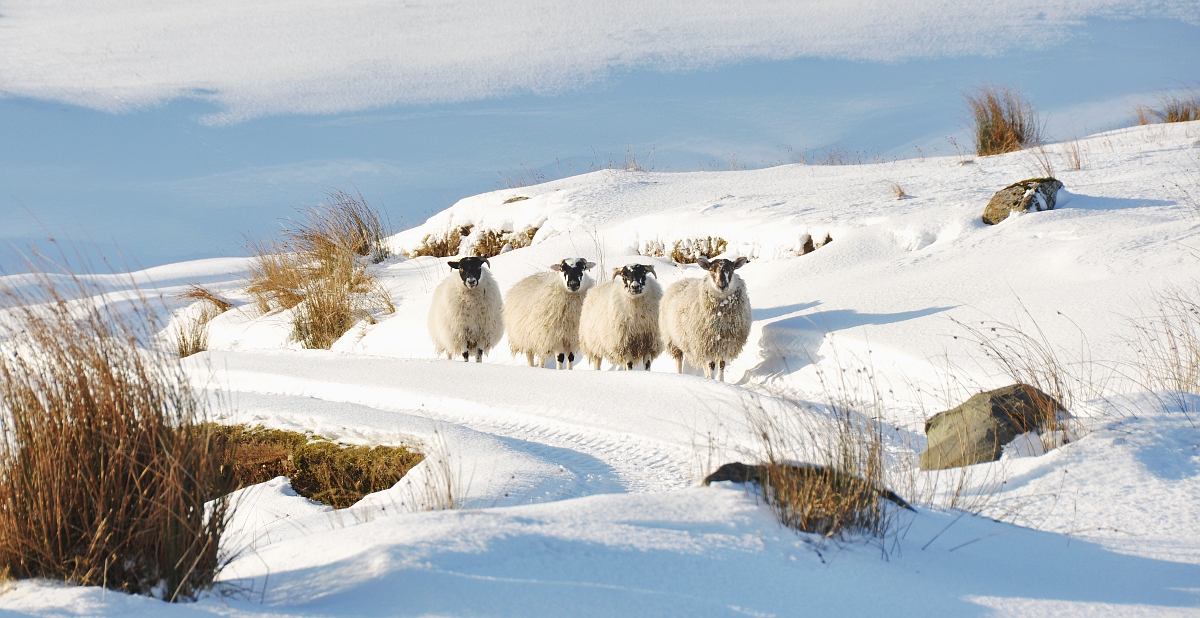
[(1036, 193), (977, 430)]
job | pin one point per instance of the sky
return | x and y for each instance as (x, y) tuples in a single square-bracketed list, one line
[(161, 132)]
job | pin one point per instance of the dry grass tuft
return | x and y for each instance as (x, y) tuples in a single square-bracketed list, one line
[(492, 243), (844, 490), (343, 224), (315, 269), (898, 191), (1171, 108), (444, 245), (1167, 344), (686, 250), (1004, 121), (105, 475), (191, 334), (335, 474)]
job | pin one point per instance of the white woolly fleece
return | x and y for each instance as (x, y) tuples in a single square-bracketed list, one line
[(463, 319)]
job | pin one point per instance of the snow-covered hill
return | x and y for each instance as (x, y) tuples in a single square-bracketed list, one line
[(582, 487)]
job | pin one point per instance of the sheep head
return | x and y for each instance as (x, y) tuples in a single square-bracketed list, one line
[(634, 276), (720, 272), (470, 269), (572, 271)]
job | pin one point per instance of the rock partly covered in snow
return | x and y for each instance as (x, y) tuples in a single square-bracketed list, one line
[(977, 431), (1037, 193)]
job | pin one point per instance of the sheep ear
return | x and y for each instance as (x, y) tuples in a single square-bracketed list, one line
[(650, 269), (616, 272), (740, 263), (453, 265), (557, 267), (485, 261), (703, 263), (590, 265)]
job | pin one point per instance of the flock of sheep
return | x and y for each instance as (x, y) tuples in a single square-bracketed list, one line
[(627, 320)]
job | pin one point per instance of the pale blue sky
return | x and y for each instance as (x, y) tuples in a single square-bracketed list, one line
[(165, 186)]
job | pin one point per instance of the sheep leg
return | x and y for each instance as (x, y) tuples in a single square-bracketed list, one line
[(466, 357), (479, 355), (721, 372), (647, 364), (570, 360), (679, 363), (708, 371), (561, 358), (629, 366), (529, 358), (596, 364)]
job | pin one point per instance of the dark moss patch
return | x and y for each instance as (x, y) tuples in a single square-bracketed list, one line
[(335, 474)]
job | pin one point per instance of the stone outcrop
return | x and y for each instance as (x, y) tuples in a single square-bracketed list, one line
[(976, 431), (1036, 193)]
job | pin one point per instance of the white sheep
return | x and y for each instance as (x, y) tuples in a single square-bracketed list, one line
[(707, 320), (541, 313), (619, 321), (466, 314)]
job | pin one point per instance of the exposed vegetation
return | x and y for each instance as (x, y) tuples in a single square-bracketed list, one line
[(106, 476), (316, 269), (808, 246), (1171, 108), (328, 472), (1003, 120), (191, 332), (442, 245), (489, 243), (686, 250)]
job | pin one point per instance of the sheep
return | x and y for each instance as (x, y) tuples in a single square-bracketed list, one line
[(707, 320), (541, 313), (466, 314), (619, 321)]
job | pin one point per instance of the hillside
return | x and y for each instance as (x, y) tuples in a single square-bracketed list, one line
[(581, 490)]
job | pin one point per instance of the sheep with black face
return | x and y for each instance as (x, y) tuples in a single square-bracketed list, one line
[(707, 320), (541, 313), (619, 321), (466, 316)]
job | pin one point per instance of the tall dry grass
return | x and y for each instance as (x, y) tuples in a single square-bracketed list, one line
[(1166, 341), (105, 476), (191, 332), (317, 268), (1172, 107), (1002, 120)]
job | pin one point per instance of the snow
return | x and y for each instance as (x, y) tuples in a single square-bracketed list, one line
[(581, 489), (313, 57)]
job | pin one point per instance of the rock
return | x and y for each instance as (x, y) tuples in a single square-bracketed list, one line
[(1038, 193), (739, 472), (976, 431)]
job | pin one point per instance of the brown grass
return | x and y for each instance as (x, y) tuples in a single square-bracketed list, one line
[(1166, 341), (1170, 108), (492, 243), (687, 250), (315, 268), (335, 474), (191, 334), (842, 492), (442, 245), (1003, 120), (105, 476)]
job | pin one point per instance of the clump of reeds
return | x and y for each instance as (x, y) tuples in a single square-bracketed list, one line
[(826, 468), (335, 474), (191, 332), (1003, 120), (316, 270), (106, 477), (1172, 107), (1167, 344)]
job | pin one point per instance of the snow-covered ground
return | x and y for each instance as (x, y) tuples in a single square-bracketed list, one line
[(582, 489)]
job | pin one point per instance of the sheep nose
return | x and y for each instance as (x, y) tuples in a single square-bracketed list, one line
[(573, 286), (472, 283)]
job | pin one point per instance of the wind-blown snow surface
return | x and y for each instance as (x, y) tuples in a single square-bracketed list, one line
[(582, 487), (264, 58)]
